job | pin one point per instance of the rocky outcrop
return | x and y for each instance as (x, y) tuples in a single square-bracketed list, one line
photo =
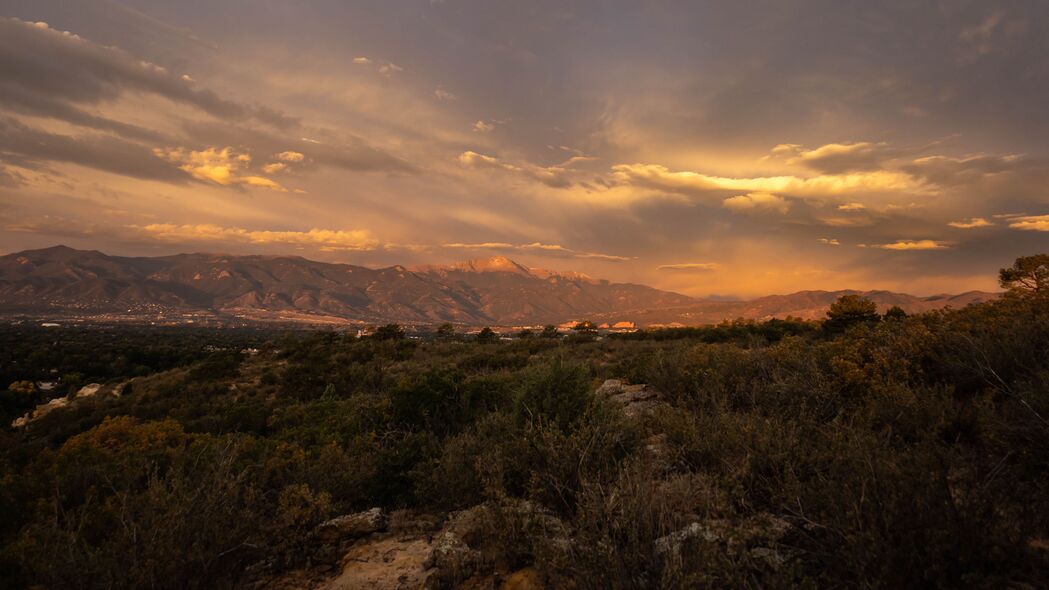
[(757, 538), (636, 400), (89, 390), (406, 553), (351, 527)]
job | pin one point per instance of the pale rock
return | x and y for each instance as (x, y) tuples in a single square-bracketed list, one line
[(89, 390)]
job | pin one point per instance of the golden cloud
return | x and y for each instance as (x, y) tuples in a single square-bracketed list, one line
[(660, 177), (972, 223), (691, 266), (290, 156), (558, 176), (324, 239), (1030, 223), (757, 203), (914, 245), (829, 241), (539, 247), (220, 166)]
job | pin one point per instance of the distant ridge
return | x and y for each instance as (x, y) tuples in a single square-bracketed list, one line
[(63, 281)]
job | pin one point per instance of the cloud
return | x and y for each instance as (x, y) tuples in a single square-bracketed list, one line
[(691, 266), (692, 183), (838, 158), (484, 127), (553, 250), (480, 246), (757, 203), (1030, 223), (852, 207), (31, 148), (954, 172), (56, 70), (350, 153), (283, 162), (220, 166), (557, 176), (362, 61), (971, 223), (829, 241), (290, 156), (10, 178), (324, 239), (914, 245), (443, 94)]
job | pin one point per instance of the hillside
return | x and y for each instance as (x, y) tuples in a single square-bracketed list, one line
[(62, 280), (497, 290)]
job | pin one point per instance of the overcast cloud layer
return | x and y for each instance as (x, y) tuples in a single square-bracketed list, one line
[(711, 148)]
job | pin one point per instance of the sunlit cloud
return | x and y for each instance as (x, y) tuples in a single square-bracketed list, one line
[(852, 207), (691, 266), (971, 223), (757, 203), (829, 241), (540, 248), (914, 245), (322, 239), (290, 156), (484, 127), (443, 94), (558, 176), (220, 166), (660, 177), (1031, 223)]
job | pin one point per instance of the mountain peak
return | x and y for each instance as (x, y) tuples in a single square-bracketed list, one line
[(479, 265)]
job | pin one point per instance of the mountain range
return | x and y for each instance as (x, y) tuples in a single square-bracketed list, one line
[(61, 281)]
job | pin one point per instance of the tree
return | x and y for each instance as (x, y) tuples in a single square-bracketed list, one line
[(445, 331), (487, 336), (1027, 277), (525, 334), (850, 310), (895, 313), (389, 332), (550, 331)]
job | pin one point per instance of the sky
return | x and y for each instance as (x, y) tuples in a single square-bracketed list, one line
[(711, 148)]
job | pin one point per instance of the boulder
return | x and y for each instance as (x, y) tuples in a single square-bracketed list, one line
[(350, 527), (44, 409), (636, 400), (89, 390)]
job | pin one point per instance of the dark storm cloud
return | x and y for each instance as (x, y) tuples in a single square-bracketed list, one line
[(30, 148), (38, 62)]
